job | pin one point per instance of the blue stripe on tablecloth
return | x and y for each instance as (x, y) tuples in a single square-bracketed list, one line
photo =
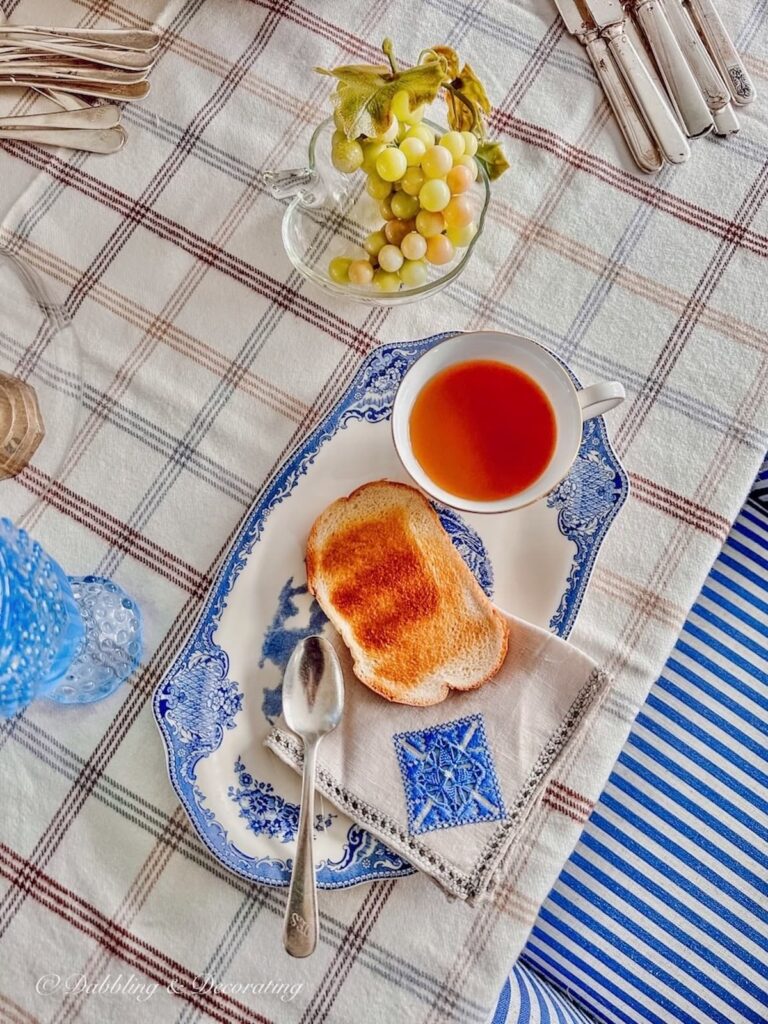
[(660, 917)]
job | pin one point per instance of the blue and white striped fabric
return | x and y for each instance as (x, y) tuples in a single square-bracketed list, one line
[(526, 997), (661, 913)]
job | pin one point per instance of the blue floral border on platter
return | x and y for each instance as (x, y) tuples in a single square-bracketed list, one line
[(197, 701)]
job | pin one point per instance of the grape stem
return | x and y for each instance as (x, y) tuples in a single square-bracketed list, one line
[(470, 106), (389, 52)]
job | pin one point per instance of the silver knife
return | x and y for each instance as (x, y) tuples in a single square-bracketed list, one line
[(715, 90), (682, 87), (609, 18), (636, 134), (721, 47)]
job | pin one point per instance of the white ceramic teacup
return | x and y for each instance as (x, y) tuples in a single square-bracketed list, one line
[(571, 408)]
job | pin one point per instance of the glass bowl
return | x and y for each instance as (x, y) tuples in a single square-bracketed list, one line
[(330, 214), (40, 357)]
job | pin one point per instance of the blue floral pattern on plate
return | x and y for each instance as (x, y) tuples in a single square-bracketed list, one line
[(198, 702), (265, 812), (448, 774)]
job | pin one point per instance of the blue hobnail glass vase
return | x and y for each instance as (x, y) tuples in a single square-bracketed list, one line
[(72, 639), (41, 628)]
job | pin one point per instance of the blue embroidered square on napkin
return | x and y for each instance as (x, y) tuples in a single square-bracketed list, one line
[(448, 775)]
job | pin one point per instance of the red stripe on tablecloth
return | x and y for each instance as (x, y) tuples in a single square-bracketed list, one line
[(571, 796), (567, 810), (675, 206), (121, 942), (688, 511), (235, 267), (346, 953), (116, 532)]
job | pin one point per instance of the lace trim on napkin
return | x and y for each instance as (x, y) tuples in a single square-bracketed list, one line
[(417, 852)]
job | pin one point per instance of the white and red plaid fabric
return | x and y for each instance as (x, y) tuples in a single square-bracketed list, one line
[(208, 359)]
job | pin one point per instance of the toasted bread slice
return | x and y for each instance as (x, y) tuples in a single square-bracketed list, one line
[(386, 574)]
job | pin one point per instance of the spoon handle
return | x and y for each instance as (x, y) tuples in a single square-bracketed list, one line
[(301, 924)]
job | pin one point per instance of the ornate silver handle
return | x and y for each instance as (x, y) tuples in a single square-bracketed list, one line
[(301, 922), (660, 118), (678, 77), (724, 52)]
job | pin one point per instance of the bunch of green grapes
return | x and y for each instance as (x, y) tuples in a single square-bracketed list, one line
[(420, 184)]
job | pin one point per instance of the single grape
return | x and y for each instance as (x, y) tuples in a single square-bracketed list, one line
[(385, 281), (377, 187), (346, 154), (414, 246), (390, 258), (412, 181), (405, 206), (471, 164), (371, 151), (374, 242), (429, 224), (461, 237), (470, 143), (458, 213), (439, 250), (436, 162), (385, 208), (413, 273), (360, 272), (454, 143), (414, 150), (391, 133), (459, 179), (338, 270), (435, 194), (391, 165), (416, 115), (423, 132), (401, 105), (396, 230)]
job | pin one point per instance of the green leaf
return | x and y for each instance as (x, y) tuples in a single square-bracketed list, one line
[(493, 158), (364, 93)]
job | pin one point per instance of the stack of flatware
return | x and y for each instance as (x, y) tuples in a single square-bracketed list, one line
[(669, 70), (67, 65)]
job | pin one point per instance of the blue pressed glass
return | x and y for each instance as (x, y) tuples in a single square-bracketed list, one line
[(41, 628)]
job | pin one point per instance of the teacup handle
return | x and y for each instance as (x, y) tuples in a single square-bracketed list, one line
[(600, 398)]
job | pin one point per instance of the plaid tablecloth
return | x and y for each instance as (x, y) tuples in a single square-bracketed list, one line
[(207, 359)]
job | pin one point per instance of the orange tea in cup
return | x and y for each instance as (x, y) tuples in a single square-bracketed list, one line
[(483, 430)]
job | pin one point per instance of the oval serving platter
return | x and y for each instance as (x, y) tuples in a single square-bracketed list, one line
[(216, 704)]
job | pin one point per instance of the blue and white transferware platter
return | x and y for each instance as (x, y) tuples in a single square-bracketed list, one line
[(216, 705)]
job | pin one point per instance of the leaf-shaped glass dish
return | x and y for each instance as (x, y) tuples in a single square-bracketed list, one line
[(330, 214)]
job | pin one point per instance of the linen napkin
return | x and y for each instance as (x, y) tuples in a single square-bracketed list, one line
[(450, 787)]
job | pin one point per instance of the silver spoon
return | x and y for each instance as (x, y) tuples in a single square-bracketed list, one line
[(313, 701), (91, 140), (124, 39), (106, 116)]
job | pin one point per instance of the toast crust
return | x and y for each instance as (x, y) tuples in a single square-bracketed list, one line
[(386, 574)]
